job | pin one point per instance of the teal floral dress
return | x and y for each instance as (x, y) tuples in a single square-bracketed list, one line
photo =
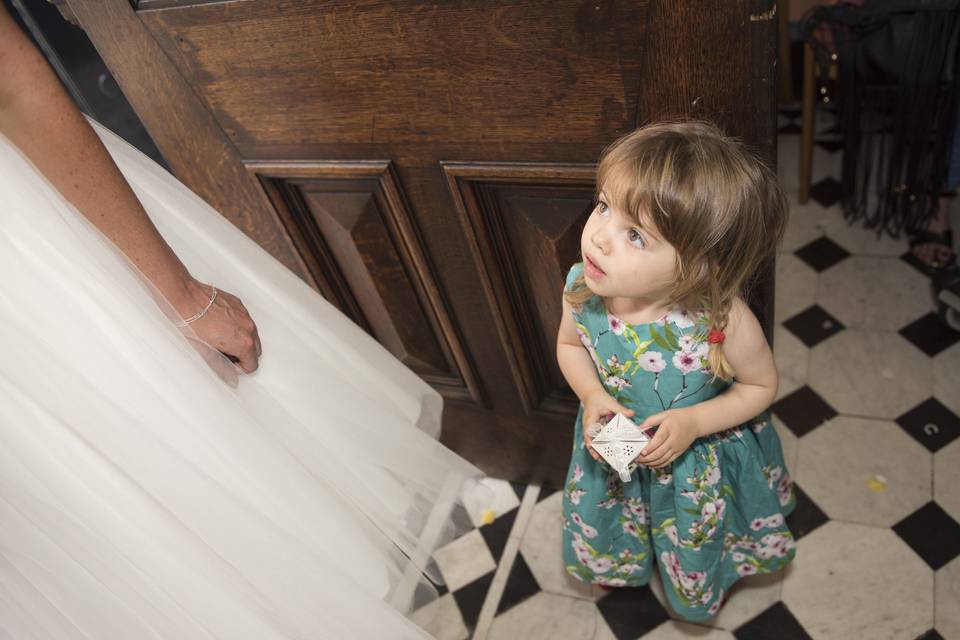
[(714, 515)]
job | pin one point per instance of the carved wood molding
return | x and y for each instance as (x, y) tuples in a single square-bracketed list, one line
[(361, 244), (519, 287)]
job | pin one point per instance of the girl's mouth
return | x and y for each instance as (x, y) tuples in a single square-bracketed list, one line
[(591, 269)]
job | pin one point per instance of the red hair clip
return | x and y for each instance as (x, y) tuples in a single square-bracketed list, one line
[(715, 336)]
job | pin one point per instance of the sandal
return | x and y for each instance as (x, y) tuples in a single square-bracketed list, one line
[(943, 238)]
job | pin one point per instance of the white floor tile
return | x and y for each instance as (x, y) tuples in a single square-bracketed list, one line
[(805, 224), (796, 286), (948, 600), (747, 599), (878, 374), (855, 581), (792, 358), (874, 293), (464, 560), (946, 377), (441, 619), (676, 630), (500, 498), (946, 480), (547, 616), (863, 242), (865, 471)]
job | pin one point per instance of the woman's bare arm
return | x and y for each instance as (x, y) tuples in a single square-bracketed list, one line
[(39, 117)]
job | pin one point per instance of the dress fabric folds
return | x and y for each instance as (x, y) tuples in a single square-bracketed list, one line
[(143, 496)]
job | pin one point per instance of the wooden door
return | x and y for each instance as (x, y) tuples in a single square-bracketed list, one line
[(428, 166)]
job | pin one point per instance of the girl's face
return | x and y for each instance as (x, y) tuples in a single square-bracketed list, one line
[(623, 259)]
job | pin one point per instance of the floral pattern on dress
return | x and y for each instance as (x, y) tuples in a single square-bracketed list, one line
[(687, 519), (707, 495)]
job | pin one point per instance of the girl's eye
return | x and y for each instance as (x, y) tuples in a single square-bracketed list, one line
[(635, 238), (602, 208)]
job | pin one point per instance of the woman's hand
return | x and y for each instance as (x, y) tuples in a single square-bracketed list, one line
[(678, 429), (596, 405), (226, 326)]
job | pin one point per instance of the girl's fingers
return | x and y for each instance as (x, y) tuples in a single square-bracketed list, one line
[(653, 420), (616, 407), (588, 443), (658, 440), (661, 461)]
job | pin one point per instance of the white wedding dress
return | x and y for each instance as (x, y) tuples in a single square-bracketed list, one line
[(141, 496)]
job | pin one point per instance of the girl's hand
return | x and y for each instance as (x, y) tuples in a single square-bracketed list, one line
[(678, 429), (596, 405), (227, 326)]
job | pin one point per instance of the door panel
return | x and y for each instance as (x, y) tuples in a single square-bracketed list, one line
[(362, 248), (523, 224)]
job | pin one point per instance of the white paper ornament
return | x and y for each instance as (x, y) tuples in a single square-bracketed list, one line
[(619, 442)]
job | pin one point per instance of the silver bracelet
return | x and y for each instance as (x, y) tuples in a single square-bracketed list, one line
[(197, 316)]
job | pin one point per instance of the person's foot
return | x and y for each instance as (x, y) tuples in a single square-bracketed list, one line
[(933, 247), (933, 250)]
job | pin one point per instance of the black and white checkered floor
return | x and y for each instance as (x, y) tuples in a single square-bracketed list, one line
[(867, 410)]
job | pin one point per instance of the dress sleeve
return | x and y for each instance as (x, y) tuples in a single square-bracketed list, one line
[(572, 275)]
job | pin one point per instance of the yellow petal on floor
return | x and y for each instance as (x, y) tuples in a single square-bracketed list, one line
[(877, 483), (488, 516)]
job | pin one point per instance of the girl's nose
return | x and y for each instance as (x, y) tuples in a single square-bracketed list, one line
[(599, 240)]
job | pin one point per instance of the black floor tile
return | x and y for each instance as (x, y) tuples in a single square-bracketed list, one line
[(932, 533), (931, 635), (790, 111), (776, 622), (930, 334), (632, 611), (520, 585), (813, 325), (496, 533), (827, 192), (546, 492), (470, 599), (806, 516), (822, 253), (518, 488), (931, 424), (790, 128), (803, 410)]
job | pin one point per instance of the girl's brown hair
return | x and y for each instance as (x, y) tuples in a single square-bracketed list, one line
[(718, 205)]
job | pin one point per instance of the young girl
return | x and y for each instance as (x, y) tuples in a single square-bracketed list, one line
[(655, 327)]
